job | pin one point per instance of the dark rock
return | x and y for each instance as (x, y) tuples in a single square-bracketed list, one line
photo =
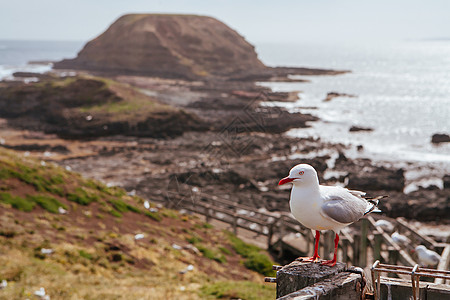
[(422, 205), (30, 74), (377, 179), (39, 147), (357, 128), (440, 138), (341, 158), (332, 95), (446, 181)]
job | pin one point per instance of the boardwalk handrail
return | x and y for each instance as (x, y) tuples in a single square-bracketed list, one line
[(277, 225)]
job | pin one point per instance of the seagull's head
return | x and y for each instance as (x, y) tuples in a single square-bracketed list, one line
[(420, 248), (301, 174)]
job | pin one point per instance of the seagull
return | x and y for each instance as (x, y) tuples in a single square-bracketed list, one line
[(427, 257), (385, 225), (401, 239), (320, 207)]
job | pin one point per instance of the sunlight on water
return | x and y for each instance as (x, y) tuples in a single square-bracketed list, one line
[(403, 93)]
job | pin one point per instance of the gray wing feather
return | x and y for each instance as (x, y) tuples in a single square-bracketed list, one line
[(343, 211), (342, 205)]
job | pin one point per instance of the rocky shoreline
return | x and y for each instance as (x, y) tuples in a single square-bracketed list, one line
[(241, 156)]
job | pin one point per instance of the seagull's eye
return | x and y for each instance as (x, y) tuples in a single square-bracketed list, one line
[(301, 172)]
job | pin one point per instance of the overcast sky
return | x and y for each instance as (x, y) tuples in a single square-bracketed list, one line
[(258, 21)]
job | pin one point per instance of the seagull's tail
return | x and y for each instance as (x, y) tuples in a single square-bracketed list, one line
[(374, 202)]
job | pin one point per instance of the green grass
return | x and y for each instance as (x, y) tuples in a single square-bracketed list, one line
[(194, 239), (38, 177), (225, 250), (51, 182), (27, 204), (254, 259), (17, 202), (237, 290), (85, 254), (208, 252), (123, 207), (81, 196), (260, 263), (153, 215), (211, 253), (46, 202), (115, 213)]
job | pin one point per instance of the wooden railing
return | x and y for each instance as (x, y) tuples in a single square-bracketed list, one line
[(280, 228)]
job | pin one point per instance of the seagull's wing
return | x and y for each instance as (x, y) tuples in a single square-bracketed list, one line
[(343, 206)]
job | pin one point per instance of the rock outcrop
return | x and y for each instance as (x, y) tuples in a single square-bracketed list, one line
[(170, 46), (358, 128), (440, 138), (85, 107)]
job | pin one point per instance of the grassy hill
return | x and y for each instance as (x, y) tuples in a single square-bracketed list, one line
[(77, 238), (90, 106)]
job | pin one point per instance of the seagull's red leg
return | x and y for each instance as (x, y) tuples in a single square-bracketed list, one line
[(316, 250), (332, 262)]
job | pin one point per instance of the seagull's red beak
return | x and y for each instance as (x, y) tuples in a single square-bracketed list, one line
[(285, 180)]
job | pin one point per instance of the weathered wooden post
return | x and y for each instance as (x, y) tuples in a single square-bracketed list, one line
[(270, 235), (356, 248), (393, 256), (314, 281), (235, 218), (363, 243), (207, 213), (377, 241), (282, 232), (328, 245), (344, 245)]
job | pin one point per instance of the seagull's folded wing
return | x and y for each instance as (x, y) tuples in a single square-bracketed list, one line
[(344, 207)]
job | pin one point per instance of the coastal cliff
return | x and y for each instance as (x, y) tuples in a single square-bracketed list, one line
[(170, 46)]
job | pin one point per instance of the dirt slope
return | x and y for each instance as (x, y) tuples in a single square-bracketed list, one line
[(77, 239)]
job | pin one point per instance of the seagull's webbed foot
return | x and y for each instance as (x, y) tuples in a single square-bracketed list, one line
[(330, 263), (309, 259)]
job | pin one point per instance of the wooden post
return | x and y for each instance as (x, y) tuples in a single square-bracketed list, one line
[(298, 275), (348, 241), (444, 263), (356, 248), (328, 244), (282, 232), (207, 213), (377, 238), (363, 243), (342, 286), (269, 236), (235, 218), (345, 250), (393, 256)]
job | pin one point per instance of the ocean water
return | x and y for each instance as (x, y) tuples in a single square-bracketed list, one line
[(16, 55), (402, 89)]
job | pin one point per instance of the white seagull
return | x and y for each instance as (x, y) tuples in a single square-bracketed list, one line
[(427, 257), (401, 239), (385, 225), (320, 207)]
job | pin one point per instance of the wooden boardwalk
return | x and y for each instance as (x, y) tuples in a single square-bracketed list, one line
[(360, 244)]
